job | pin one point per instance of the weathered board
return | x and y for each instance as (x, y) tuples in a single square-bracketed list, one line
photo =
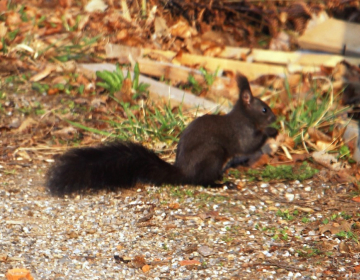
[(335, 36)]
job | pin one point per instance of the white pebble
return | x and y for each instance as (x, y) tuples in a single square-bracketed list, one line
[(289, 196)]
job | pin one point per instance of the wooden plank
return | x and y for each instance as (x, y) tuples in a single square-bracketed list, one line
[(285, 58), (167, 92), (251, 70), (292, 61), (283, 62), (259, 55), (335, 36), (160, 69), (168, 71), (132, 54)]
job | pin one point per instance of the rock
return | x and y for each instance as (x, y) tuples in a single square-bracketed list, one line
[(205, 251)]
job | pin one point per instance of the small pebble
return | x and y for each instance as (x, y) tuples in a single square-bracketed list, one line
[(289, 196), (205, 251)]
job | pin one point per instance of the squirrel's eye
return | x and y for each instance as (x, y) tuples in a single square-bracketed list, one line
[(264, 110)]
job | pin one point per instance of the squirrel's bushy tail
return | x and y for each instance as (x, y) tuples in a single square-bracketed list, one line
[(112, 166)]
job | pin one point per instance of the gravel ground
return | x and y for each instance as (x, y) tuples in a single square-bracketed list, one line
[(150, 232)]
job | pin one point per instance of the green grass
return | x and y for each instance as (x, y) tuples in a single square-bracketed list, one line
[(308, 252), (275, 233), (348, 235), (9, 172), (313, 110), (285, 215), (157, 123), (282, 235), (195, 87), (200, 198), (227, 239), (76, 51), (114, 81), (70, 86), (280, 172)]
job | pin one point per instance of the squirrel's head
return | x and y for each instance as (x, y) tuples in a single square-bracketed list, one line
[(254, 108)]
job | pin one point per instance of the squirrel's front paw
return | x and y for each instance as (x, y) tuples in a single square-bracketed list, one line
[(271, 132)]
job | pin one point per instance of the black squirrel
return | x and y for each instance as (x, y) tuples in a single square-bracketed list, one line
[(207, 147)]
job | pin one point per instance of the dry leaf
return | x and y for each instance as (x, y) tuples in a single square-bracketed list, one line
[(344, 248), (343, 176), (125, 10), (326, 246), (138, 261), (327, 160), (189, 262), (281, 42), (300, 157), (43, 74), (65, 3), (335, 228), (13, 20), (325, 146), (263, 160), (59, 80), (15, 259), (18, 273), (182, 30), (3, 8), (68, 66), (3, 257), (95, 5), (287, 141), (213, 51), (317, 135), (161, 28), (294, 80), (124, 54), (328, 272), (65, 133), (20, 155), (145, 268), (125, 94), (174, 205), (3, 29), (82, 101), (357, 269), (52, 91), (151, 16), (145, 218), (170, 226), (304, 209), (212, 214), (83, 22), (26, 124)]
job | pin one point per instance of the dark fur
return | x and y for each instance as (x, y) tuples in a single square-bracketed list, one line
[(207, 147)]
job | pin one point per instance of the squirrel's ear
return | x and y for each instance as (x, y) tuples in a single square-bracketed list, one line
[(246, 97), (242, 83)]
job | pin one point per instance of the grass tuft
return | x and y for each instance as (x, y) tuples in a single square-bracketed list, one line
[(286, 172)]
